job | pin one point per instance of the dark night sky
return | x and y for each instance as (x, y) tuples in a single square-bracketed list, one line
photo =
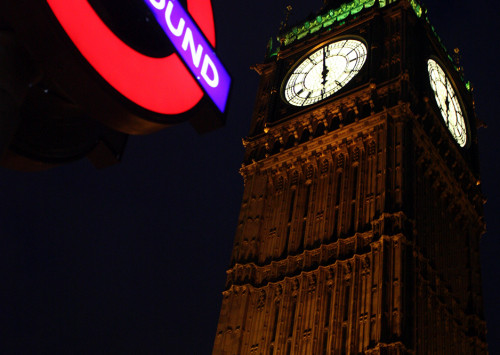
[(132, 258)]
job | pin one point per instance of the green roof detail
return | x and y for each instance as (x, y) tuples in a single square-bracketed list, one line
[(326, 20), (417, 8), (338, 15)]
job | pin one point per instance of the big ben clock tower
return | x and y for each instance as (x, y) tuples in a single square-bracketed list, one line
[(362, 211)]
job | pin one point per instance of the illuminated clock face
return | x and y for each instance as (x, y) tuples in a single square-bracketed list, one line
[(324, 72), (448, 102)]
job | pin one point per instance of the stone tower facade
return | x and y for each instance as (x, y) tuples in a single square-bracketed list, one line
[(362, 213)]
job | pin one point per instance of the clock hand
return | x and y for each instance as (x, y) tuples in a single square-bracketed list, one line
[(447, 102), (325, 70)]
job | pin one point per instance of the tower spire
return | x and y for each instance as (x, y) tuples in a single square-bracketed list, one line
[(284, 24), (456, 59)]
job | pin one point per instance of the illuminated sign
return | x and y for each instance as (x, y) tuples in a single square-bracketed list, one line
[(162, 85), (196, 52)]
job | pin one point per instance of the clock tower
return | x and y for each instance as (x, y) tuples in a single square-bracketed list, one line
[(362, 210)]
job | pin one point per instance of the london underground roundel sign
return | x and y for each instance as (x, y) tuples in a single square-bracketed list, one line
[(166, 85)]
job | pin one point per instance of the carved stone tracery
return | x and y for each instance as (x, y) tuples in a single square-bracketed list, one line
[(354, 214)]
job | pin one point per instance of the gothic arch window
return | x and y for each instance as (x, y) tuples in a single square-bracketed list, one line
[(305, 136), (261, 154), (259, 123), (320, 130), (290, 141), (252, 156), (350, 117), (276, 148), (395, 70), (334, 123), (394, 96), (395, 44), (366, 110)]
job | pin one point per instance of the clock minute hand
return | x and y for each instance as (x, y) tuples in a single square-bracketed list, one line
[(447, 102), (324, 73)]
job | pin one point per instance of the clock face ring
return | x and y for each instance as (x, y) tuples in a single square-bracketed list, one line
[(447, 102), (323, 72)]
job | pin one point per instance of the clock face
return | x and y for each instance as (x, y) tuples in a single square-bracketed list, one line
[(448, 102), (324, 72)]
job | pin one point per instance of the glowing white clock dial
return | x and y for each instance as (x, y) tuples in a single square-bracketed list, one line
[(324, 72), (448, 102)]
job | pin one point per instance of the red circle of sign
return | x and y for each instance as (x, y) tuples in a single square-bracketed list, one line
[(162, 85)]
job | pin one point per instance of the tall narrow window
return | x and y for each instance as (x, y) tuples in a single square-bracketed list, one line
[(346, 302), (355, 182), (325, 343), (290, 215), (353, 216), (336, 216), (292, 203), (308, 195), (328, 308), (302, 233), (338, 189), (275, 323), (304, 217), (292, 318), (344, 340), (287, 238)]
